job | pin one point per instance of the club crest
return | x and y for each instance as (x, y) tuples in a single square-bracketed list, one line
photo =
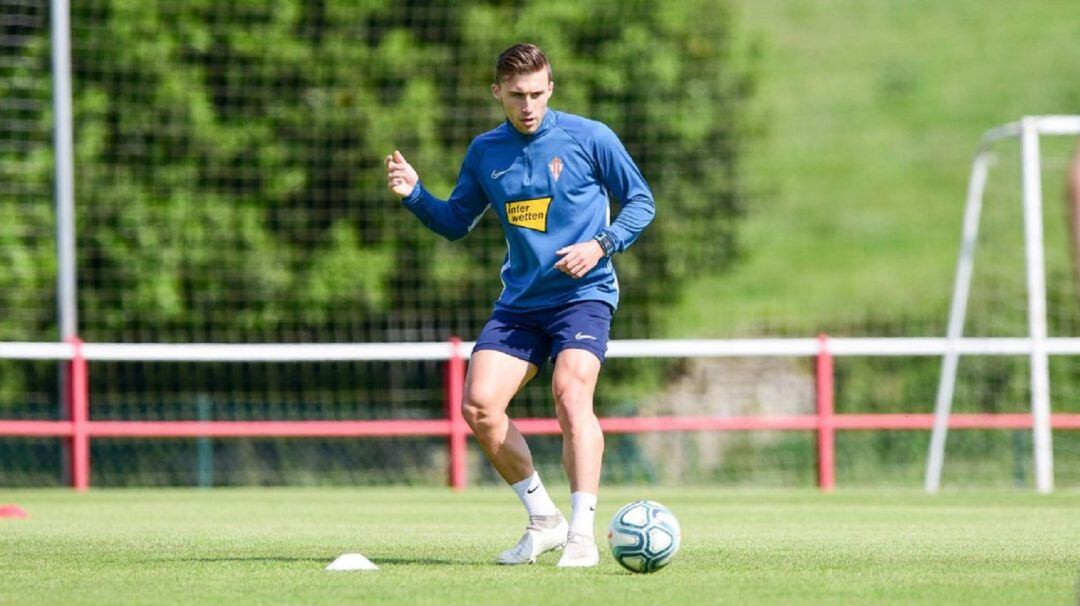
[(555, 166)]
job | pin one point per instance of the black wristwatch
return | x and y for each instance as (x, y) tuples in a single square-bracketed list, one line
[(606, 242)]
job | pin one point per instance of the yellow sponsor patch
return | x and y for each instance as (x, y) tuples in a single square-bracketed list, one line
[(529, 213)]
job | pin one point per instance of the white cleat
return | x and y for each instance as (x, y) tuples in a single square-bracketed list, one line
[(580, 552), (543, 534)]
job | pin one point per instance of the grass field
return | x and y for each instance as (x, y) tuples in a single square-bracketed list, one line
[(434, 547)]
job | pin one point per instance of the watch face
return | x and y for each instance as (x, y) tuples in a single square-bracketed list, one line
[(606, 243)]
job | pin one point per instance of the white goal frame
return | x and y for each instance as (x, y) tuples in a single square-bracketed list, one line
[(1028, 130)]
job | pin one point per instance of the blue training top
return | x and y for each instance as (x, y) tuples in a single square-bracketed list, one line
[(550, 190)]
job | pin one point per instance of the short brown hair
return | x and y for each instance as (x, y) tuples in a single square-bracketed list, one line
[(520, 59)]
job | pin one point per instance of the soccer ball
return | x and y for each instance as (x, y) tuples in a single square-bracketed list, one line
[(644, 535)]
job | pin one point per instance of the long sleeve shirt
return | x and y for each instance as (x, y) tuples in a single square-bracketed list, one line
[(549, 189)]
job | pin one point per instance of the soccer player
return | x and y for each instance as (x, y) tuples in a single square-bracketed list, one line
[(548, 176)]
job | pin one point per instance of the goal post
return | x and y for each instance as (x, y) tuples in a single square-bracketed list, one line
[(1028, 130)]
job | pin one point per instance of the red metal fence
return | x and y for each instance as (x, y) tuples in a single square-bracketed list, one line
[(79, 429)]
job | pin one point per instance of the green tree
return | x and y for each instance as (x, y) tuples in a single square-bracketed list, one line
[(229, 181)]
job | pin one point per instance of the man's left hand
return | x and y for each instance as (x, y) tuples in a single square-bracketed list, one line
[(579, 259)]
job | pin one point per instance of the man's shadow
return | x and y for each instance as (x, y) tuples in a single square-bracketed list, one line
[(330, 558)]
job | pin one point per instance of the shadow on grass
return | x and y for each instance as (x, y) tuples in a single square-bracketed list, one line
[(253, 559), (420, 562), (328, 559)]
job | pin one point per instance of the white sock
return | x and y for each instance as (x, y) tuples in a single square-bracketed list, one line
[(584, 505), (534, 496)]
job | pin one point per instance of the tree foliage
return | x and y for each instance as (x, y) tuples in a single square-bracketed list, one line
[(229, 178)]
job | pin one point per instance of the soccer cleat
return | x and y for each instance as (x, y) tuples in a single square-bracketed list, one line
[(543, 534), (580, 552)]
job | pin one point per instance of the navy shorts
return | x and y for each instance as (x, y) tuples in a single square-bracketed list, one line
[(536, 335)]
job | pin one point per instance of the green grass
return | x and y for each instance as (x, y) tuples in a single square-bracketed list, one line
[(434, 547), (873, 113)]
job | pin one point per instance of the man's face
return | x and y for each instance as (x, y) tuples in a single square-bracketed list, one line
[(524, 98)]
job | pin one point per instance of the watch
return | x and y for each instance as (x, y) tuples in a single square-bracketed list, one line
[(607, 243)]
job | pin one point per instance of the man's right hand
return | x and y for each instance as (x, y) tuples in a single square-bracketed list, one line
[(401, 178)]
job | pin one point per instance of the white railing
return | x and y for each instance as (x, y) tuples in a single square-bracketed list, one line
[(80, 428), (438, 350)]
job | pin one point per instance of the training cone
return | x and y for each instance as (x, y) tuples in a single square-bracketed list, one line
[(12, 511), (351, 561)]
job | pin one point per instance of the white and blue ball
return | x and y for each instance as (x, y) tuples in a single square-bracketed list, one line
[(644, 536)]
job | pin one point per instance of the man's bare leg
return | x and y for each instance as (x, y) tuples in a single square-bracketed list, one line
[(573, 385), (494, 378)]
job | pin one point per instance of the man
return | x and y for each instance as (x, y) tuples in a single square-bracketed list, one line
[(547, 175)]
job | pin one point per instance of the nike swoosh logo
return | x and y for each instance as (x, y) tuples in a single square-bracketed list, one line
[(495, 174), (593, 508), (532, 490), (581, 337)]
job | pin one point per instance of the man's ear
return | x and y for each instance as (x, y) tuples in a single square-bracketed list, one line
[(495, 91)]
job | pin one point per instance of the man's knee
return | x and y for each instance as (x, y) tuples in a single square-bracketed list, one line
[(568, 391), (573, 401), (482, 409)]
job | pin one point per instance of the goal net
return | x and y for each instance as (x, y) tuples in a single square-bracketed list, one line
[(1016, 277)]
